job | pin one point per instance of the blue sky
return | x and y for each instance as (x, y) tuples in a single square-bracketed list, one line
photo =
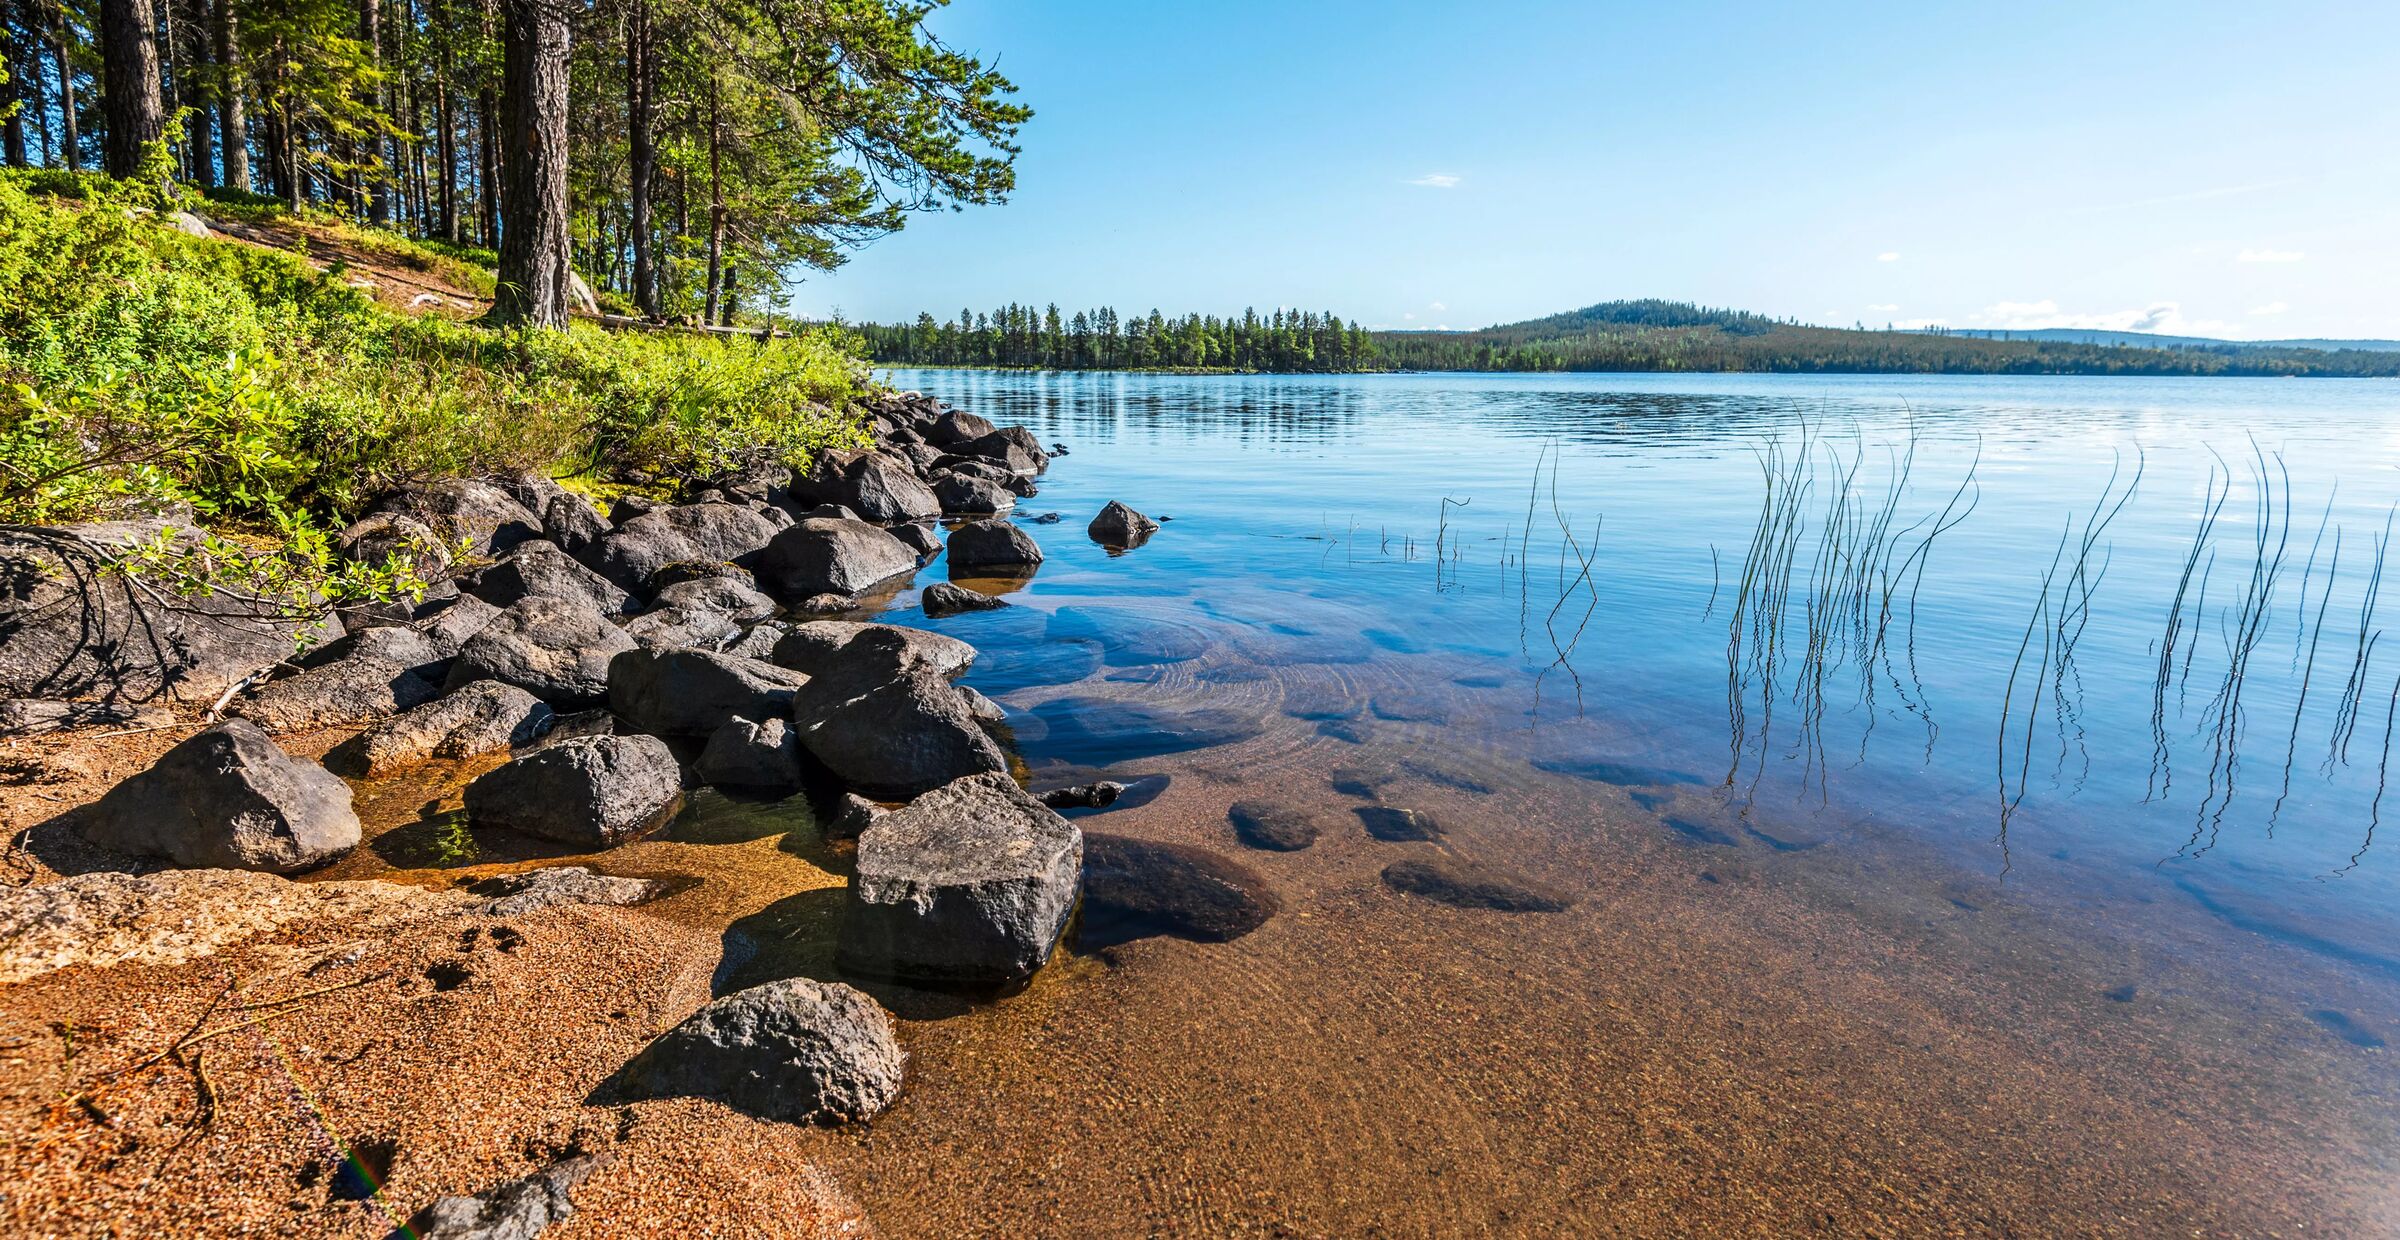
[(2193, 167)]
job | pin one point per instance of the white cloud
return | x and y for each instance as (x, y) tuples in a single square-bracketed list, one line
[(1888, 256), (2272, 307), (1436, 306), (1437, 180), (2269, 256), (1410, 317), (1885, 308), (2160, 318)]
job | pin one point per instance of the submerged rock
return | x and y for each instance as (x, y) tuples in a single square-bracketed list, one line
[(969, 884), (1464, 884), (795, 1050), (594, 791), (512, 895), (1274, 828), (228, 798), (1396, 825), (1099, 795), (1138, 888), (483, 717)]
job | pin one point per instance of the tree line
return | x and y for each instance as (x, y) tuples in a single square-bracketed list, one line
[(682, 154), (1282, 341)]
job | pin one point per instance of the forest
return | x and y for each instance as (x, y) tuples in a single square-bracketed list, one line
[(1284, 341)]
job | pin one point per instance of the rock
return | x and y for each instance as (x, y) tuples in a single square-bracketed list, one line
[(961, 495), (983, 708), (532, 490), (744, 754), (885, 489), (1398, 825), (573, 522), (1137, 888), (591, 791), (1275, 828), (1120, 527), (795, 1050), (32, 716), (831, 512), (528, 891), (399, 644), (451, 626), (728, 596), (826, 481), (641, 546), (944, 599), (625, 508), (759, 642), (379, 537), (484, 717), (1002, 449), (969, 884), (188, 224), (517, 1210), (69, 629), (991, 544), (1464, 884), (824, 604), (352, 690), (110, 918), (920, 456), (851, 817), (554, 649), (1048, 518), (1098, 795), (894, 734), (828, 555), (683, 628), (462, 510), (692, 693), (958, 426), (541, 568), (816, 646), (678, 572), (228, 798), (919, 538)]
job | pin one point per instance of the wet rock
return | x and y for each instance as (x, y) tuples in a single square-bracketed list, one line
[(647, 543), (477, 514), (832, 556), (920, 538), (1274, 828), (542, 568), (484, 717), (228, 798), (983, 708), (380, 537), (944, 599), (517, 1210), (1464, 884), (1047, 518), (528, 891), (352, 690), (814, 646), (746, 754), (692, 693), (591, 791), (1120, 527), (1099, 795), (1396, 825), (795, 1050), (991, 544), (1099, 731), (1138, 888), (554, 649), (969, 884), (732, 597), (851, 816), (964, 495)]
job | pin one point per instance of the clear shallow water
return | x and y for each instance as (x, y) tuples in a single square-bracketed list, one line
[(1437, 529)]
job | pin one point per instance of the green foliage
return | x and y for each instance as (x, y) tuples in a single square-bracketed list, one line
[(1013, 335)]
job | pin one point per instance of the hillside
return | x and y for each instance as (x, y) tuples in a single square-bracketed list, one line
[(1654, 335), (2085, 335)]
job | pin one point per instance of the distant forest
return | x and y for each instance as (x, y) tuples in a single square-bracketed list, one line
[(1648, 335), (1286, 341)]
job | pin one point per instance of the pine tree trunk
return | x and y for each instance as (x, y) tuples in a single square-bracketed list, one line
[(230, 91), (378, 179), (201, 77), (12, 135), (716, 208), (640, 155), (129, 68), (534, 246), (447, 144), (69, 140), (488, 181)]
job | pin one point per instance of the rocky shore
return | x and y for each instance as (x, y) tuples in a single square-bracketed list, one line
[(593, 668)]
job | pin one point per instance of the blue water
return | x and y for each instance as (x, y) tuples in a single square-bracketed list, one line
[(1441, 526)]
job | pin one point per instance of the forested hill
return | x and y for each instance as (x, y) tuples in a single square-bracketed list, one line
[(1041, 337)]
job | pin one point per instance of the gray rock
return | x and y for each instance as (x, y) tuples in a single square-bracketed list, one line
[(920, 538), (983, 708), (744, 754), (958, 426), (1137, 888), (451, 626), (228, 798), (517, 1210), (1017, 453), (541, 568), (405, 645), (883, 488), (813, 647), (678, 572), (888, 727), (759, 642), (625, 508), (353, 690), (460, 510), (379, 537), (851, 817), (828, 555), (1118, 526), (728, 596), (1274, 828), (795, 1050), (1398, 826), (641, 546), (920, 456), (991, 544), (1465, 884), (528, 891), (969, 884), (484, 717), (962, 495), (573, 522), (592, 791), (551, 648), (683, 628), (692, 693), (944, 599)]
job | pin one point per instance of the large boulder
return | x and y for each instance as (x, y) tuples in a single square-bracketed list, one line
[(732, 597), (406, 645), (747, 754), (795, 1050), (542, 568), (591, 791), (683, 628), (691, 693), (814, 647), (554, 649), (647, 543), (228, 798), (969, 884), (964, 495), (573, 522), (1016, 452), (484, 717), (991, 544), (828, 555), (480, 515), (353, 690), (1119, 527), (888, 727), (958, 426), (72, 629), (883, 488)]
